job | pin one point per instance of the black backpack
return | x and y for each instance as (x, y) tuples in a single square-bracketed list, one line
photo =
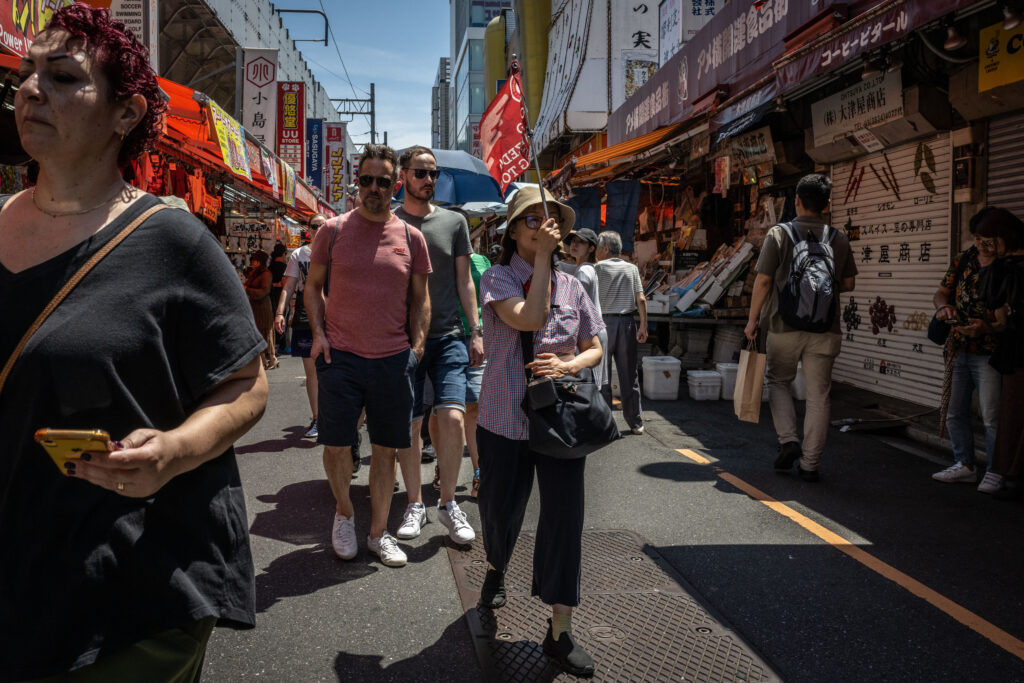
[(809, 298)]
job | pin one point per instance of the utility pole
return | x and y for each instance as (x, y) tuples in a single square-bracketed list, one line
[(364, 107), (385, 138)]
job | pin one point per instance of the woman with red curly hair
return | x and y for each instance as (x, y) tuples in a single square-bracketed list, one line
[(118, 563)]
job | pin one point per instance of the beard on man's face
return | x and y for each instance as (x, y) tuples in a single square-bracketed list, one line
[(424, 194)]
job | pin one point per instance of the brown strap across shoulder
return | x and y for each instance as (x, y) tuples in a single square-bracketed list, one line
[(70, 285)]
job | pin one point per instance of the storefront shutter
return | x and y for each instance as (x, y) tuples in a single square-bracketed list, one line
[(895, 206), (1005, 161)]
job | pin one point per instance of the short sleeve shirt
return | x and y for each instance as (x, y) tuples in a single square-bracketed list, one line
[(969, 302), (776, 257), (298, 266), (371, 266), (478, 263), (447, 237), (618, 284), (145, 336), (573, 317)]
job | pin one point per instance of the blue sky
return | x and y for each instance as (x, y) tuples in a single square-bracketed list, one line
[(395, 44)]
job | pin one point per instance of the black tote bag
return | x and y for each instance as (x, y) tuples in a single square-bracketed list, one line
[(568, 417)]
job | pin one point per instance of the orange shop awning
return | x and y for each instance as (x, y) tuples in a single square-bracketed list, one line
[(627, 149)]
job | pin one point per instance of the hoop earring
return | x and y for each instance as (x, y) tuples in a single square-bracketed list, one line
[(123, 136)]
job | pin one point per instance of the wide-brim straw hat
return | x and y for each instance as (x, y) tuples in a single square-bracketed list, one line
[(527, 196)]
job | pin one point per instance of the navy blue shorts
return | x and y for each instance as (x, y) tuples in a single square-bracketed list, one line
[(302, 343), (445, 361), (383, 386)]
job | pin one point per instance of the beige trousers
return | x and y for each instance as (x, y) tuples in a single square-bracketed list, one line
[(817, 353)]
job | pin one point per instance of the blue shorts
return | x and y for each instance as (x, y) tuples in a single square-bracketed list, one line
[(302, 343), (474, 378), (384, 386), (445, 361)]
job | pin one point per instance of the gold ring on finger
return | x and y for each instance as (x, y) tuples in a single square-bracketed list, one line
[(120, 486)]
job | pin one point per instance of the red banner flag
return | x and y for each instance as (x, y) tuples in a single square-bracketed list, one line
[(503, 141)]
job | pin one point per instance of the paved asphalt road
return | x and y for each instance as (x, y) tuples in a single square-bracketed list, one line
[(876, 573)]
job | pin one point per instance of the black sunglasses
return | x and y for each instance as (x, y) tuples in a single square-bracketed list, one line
[(534, 222), (422, 173), (383, 182)]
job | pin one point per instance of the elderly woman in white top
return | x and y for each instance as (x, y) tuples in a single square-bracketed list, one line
[(582, 257)]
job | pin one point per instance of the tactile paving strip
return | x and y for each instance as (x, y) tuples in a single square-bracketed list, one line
[(637, 618)]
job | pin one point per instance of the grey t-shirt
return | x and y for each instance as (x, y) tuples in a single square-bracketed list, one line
[(776, 257), (447, 236), (618, 284)]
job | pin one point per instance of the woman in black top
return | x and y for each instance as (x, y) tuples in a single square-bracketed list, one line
[(278, 263), (119, 566)]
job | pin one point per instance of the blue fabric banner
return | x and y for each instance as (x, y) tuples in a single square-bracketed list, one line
[(315, 152)]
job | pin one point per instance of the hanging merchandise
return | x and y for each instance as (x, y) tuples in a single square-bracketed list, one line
[(894, 206), (722, 173)]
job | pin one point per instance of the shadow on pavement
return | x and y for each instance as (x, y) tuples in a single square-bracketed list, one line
[(303, 513), (292, 439), (433, 663), (307, 571), (678, 471)]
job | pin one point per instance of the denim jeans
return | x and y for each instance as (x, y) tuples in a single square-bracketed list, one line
[(970, 372)]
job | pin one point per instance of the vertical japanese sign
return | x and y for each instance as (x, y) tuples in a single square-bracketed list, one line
[(259, 94), (670, 29), (231, 140), (291, 123), (634, 47), (315, 152), (696, 13), (335, 176)]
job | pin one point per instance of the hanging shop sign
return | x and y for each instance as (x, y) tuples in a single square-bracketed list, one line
[(315, 152), (291, 123), (259, 94), (1001, 61), (894, 205), (873, 31), (22, 20), (231, 138), (336, 172), (304, 197), (670, 29), (287, 179), (871, 102), (736, 47), (752, 148), (271, 170)]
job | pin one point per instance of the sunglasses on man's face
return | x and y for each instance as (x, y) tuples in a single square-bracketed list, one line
[(422, 173), (383, 182)]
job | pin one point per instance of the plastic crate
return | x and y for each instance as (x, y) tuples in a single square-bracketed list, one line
[(704, 385)]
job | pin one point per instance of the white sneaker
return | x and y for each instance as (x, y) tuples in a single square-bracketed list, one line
[(454, 520), (343, 537), (638, 430), (955, 473), (414, 520), (991, 482), (386, 548)]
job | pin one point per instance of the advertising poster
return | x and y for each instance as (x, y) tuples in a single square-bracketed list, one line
[(22, 20), (335, 178), (291, 123), (1001, 61), (271, 170), (287, 174), (259, 94), (232, 141), (315, 152)]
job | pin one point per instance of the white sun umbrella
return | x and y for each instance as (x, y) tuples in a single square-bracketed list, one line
[(484, 209)]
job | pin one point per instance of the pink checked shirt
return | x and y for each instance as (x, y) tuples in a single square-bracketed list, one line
[(573, 317)]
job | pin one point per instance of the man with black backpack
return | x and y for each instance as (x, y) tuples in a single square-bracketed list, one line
[(803, 267)]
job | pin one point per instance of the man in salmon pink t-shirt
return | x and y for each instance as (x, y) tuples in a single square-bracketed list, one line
[(366, 298)]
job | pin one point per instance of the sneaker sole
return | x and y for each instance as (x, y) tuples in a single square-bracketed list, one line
[(404, 536), (391, 563), (972, 480), (346, 557)]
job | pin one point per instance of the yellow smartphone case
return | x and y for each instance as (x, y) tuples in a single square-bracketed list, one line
[(65, 444)]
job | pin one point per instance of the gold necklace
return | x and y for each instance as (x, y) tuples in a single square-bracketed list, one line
[(59, 214)]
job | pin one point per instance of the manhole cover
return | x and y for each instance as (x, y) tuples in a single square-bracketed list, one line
[(636, 617)]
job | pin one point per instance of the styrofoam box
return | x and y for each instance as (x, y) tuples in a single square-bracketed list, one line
[(661, 378), (704, 385), (728, 372), (657, 307)]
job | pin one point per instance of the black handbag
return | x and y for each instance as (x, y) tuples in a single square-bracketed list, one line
[(568, 417)]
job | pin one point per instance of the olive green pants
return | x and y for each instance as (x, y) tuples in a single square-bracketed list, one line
[(174, 656)]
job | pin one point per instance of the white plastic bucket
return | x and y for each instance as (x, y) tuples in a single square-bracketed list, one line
[(728, 372)]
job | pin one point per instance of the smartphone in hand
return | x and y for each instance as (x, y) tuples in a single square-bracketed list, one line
[(66, 444)]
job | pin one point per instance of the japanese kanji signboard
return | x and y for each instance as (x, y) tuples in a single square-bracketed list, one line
[(336, 168), (259, 94), (873, 101), (291, 123), (231, 139)]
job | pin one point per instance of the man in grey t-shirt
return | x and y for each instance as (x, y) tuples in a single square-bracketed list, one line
[(448, 352)]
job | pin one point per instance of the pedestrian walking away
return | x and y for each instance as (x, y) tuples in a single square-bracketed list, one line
[(448, 353), (368, 307), (294, 283), (803, 267), (621, 294), (257, 288), (525, 293), (119, 558), (583, 256)]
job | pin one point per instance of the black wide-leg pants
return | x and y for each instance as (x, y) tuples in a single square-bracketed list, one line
[(506, 480)]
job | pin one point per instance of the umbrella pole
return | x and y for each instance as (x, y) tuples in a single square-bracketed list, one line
[(529, 133)]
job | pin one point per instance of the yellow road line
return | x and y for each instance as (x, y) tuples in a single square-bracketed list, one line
[(966, 617)]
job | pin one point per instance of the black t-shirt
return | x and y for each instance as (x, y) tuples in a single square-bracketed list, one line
[(151, 329), (276, 272)]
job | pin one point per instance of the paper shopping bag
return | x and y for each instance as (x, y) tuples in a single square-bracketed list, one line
[(749, 384)]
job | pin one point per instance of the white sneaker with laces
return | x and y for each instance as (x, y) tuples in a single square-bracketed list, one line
[(386, 548), (454, 520), (991, 482), (638, 430), (343, 537), (414, 520), (955, 473)]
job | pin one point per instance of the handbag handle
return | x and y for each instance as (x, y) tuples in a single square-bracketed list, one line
[(70, 285)]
